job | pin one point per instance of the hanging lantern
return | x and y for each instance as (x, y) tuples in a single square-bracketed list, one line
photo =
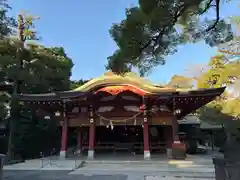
[(57, 113), (47, 117), (111, 125), (177, 111), (142, 108), (145, 120), (61, 123), (91, 120)]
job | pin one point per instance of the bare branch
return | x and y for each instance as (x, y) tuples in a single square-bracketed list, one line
[(208, 5), (217, 17)]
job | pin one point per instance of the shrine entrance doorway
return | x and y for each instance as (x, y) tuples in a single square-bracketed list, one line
[(127, 139), (119, 140)]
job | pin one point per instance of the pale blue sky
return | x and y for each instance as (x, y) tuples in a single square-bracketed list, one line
[(81, 27)]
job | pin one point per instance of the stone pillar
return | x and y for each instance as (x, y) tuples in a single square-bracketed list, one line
[(147, 154), (91, 135), (79, 140), (63, 151)]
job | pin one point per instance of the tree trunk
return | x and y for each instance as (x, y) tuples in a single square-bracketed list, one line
[(15, 112)]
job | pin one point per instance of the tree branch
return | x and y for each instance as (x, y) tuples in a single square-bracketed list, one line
[(217, 17), (156, 38), (178, 13), (208, 5)]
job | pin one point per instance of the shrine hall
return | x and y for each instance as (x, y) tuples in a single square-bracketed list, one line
[(122, 113)]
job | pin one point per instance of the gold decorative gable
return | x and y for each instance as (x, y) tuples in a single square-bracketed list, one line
[(130, 79)]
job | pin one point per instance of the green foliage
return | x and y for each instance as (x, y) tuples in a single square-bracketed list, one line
[(76, 84), (45, 70), (6, 29), (4, 106), (51, 72), (181, 82), (28, 26), (37, 69), (6, 23), (154, 29), (221, 73), (34, 135)]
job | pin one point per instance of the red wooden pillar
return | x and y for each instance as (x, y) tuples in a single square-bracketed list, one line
[(168, 136), (175, 130), (147, 154), (63, 151), (91, 134)]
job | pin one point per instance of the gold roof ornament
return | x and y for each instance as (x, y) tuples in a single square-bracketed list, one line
[(111, 79)]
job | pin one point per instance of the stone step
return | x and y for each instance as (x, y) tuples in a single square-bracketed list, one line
[(176, 178), (150, 168), (159, 166), (147, 172), (203, 162)]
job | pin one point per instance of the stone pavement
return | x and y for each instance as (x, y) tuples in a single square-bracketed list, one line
[(191, 169), (138, 172), (64, 175), (55, 175)]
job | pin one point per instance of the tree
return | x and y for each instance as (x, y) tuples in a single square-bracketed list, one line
[(76, 84), (154, 29), (35, 69), (181, 82), (223, 110), (6, 23), (222, 72), (231, 48), (24, 32), (50, 73), (6, 29)]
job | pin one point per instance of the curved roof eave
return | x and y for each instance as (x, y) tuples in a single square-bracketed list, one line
[(56, 96), (111, 79), (128, 79)]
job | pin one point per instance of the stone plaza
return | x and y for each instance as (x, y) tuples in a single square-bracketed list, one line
[(195, 167)]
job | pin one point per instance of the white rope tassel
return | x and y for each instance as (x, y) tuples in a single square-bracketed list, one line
[(101, 122), (111, 125)]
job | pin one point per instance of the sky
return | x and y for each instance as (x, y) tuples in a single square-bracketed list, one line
[(82, 28)]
